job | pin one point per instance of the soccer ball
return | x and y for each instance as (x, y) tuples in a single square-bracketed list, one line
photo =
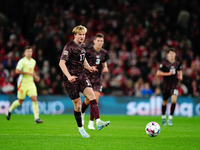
[(152, 129)]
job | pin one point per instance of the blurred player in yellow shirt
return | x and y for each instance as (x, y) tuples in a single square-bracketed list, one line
[(25, 85)]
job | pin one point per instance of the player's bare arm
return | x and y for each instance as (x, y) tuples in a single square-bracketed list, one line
[(161, 73), (88, 67), (22, 72), (105, 68), (66, 72), (36, 77), (180, 75)]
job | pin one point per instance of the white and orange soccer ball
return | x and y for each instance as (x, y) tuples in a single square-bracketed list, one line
[(152, 129)]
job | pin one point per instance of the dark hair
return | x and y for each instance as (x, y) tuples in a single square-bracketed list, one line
[(171, 49), (27, 47), (99, 35)]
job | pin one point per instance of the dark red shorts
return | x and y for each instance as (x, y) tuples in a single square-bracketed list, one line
[(76, 87), (167, 93), (96, 81), (97, 87)]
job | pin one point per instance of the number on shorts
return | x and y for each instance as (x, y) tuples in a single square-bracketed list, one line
[(88, 82), (101, 87), (175, 92)]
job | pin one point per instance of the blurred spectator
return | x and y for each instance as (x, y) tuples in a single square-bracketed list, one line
[(57, 85), (42, 88), (157, 91), (139, 85), (146, 90), (7, 87), (40, 59), (4, 73), (9, 63), (182, 89), (45, 67)]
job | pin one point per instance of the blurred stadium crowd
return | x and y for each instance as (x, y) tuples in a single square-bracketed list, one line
[(137, 34)]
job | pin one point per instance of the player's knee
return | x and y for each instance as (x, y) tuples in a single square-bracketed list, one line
[(33, 98), (87, 102), (78, 108), (173, 100), (91, 97), (164, 102)]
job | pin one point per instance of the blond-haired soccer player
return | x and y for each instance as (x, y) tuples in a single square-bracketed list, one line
[(72, 63), (96, 56), (26, 86)]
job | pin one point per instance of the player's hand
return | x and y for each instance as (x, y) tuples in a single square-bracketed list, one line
[(93, 69), (180, 78), (72, 78), (171, 73), (105, 70), (37, 78)]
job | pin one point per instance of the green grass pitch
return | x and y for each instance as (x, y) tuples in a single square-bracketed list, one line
[(124, 133)]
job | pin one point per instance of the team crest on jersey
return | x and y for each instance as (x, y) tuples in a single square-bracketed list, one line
[(65, 52), (97, 56)]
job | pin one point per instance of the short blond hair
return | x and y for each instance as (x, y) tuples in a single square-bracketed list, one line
[(78, 29)]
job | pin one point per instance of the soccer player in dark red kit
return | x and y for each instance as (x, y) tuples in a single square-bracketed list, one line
[(72, 63), (96, 56), (171, 70)]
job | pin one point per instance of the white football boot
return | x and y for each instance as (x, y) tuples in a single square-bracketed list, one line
[(91, 125), (102, 124), (83, 133)]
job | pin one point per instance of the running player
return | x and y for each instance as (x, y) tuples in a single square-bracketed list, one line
[(171, 70), (72, 63), (96, 56), (26, 86)]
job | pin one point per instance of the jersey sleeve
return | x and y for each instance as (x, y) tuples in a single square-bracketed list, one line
[(180, 67), (161, 67), (106, 57), (65, 53), (20, 64)]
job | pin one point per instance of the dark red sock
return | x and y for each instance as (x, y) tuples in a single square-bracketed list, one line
[(164, 107), (173, 105), (84, 107), (91, 116), (94, 109), (78, 118)]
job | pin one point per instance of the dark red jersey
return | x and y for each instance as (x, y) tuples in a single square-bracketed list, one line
[(96, 58), (74, 56), (170, 82)]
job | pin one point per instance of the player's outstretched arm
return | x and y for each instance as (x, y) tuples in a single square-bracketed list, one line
[(105, 67), (88, 67), (66, 72), (161, 73), (180, 75), (36, 77), (22, 72)]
